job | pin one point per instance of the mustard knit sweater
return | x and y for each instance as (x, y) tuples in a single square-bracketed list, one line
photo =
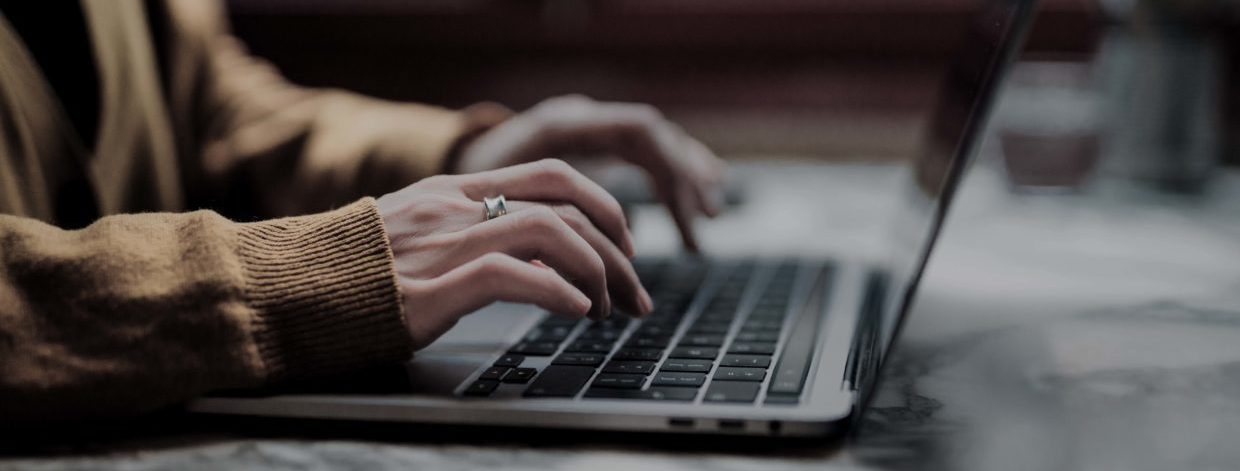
[(164, 299)]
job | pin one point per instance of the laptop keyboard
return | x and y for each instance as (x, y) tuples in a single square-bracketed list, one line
[(715, 336)]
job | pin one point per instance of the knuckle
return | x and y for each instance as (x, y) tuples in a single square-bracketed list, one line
[(541, 220), (572, 215), (555, 168), (493, 264)]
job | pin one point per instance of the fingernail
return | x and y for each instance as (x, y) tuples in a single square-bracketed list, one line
[(715, 201), (583, 304), (646, 302), (629, 250)]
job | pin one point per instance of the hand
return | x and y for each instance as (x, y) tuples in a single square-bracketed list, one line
[(685, 174), (450, 261)]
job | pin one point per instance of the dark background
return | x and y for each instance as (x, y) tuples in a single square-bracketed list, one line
[(836, 79)]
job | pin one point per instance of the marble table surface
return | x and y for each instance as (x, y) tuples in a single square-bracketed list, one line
[(1090, 330)]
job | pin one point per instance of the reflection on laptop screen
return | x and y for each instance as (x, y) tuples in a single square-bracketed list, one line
[(953, 134)]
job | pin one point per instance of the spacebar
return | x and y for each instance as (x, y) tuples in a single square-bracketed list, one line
[(789, 378), (560, 381)]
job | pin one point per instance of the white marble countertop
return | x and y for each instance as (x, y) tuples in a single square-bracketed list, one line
[(1086, 331)]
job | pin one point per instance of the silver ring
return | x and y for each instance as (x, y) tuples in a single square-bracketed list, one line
[(494, 207)]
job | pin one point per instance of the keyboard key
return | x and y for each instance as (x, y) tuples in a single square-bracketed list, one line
[(731, 391), (727, 373), (751, 347), (537, 349), (588, 359), (649, 342), (611, 323), (759, 325), (757, 337), (482, 387), (642, 354), (702, 341), (509, 360), (688, 366), (606, 335), (699, 353), (655, 330), (635, 367), (589, 346), (520, 375), (560, 381), (750, 361), (678, 379), (548, 334), (494, 372), (706, 328), (652, 394), (619, 381)]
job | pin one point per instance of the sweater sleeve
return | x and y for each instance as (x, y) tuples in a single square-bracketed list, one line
[(266, 147), (140, 311)]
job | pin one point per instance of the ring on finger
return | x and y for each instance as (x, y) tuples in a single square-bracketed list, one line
[(494, 207)]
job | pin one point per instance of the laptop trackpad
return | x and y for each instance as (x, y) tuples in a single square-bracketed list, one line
[(471, 344)]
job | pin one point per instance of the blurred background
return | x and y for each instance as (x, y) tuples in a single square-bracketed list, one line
[(837, 80)]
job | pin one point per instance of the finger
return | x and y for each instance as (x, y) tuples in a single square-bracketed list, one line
[(707, 175), (677, 199), (537, 233), (554, 180), (622, 279), (482, 281)]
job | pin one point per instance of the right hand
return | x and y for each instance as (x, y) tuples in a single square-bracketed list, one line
[(450, 261)]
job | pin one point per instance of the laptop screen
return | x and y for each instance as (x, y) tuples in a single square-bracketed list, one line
[(953, 134)]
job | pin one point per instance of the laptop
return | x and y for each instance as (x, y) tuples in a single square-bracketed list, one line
[(785, 347)]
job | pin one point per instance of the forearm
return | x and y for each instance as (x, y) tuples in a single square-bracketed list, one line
[(140, 311)]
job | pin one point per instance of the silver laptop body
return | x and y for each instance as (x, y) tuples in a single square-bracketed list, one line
[(798, 344)]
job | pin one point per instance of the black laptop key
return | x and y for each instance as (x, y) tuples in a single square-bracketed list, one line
[(708, 328), (766, 337), (759, 325), (687, 366), (494, 372), (606, 335), (537, 349), (509, 360), (619, 381), (748, 361), (649, 342), (697, 353), (520, 375), (612, 323), (655, 330), (634, 367), (548, 334), (676, 379), (702, 341), (590, 346), (482, 387), (652, 394), (587, 359), (641, 354), (560, 381), (752, 348), (729, 373), (731, 391)]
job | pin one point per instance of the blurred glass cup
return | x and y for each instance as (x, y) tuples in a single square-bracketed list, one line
[(1048, 126)]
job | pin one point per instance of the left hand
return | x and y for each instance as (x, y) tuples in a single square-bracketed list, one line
[(685, 174)]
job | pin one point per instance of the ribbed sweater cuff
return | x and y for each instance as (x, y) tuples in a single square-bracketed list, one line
[(325, 292)]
